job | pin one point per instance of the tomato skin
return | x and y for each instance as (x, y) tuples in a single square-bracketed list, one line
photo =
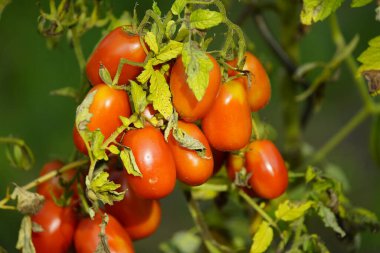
[(139, 217), (116, 45), (107, 106), (228, 124), (269, 174), (86, 236), (260, 91), (184, 100), (53, 186), (58, 225), (155, 161), (191, 168), (219, 159), (235, 163)]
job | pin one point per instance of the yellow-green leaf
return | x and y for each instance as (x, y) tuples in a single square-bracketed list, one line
[(187, 141), (146, 73), (360, 3), (262, 238), (169, 51), (288, 211), (317, 10), (178, 6), (204, 19), (160, 94), (100, 188), (151, 40), (114, 150), (370, 58), (138, 97), (24, 241), (129, 162)]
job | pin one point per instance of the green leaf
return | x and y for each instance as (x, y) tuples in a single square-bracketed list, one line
[(310, 174), (288, 211), (151, 40), (100, 188), (103, 246), (198, 66), (317, 10), (170, 29), (20, 155), (360, 3), (170, 51), (147, 72), (329, 219), (83, 115), (186, 242), (105, 75), (262, 238), (3, 4), (24, 241), (97, 139), (156, 9), (160, 95), (172, 123), (183, 33), (65, 92), (138, 97), (370, 67), (204, 19), (27, 202), (114, 150), (129, 162), (363, 218), (187, 141), (178, 6)]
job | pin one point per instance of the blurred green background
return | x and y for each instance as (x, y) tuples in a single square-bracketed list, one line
[(28, 71)]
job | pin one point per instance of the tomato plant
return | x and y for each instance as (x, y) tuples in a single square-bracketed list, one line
[(118, 44)]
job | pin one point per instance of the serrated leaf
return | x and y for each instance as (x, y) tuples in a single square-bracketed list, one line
[(169, 51), (27, 202), (103, 246), (170, 29), (370, 67), (156, 9), (204, 19), (329, 219), (83, 115), (138, 97), (105, 75), (183, 33), (187, 141), (360, 3), (129, 162), (198, 66), (318, 10), (172, 122), (114, 150), (310, 174), (262, 238), (288, 211), (160, 95), (146, 73), (65, 92), (24, 241), (151, 40), (178, 6), (97, 139), (103, 189)]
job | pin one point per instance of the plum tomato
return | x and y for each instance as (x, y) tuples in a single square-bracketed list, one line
[(228, 124), (139, 217), (191, 168), (260, 91), (219, 159), (184, 100), (86, 236), (108, 104), (118, 44), (58, 224), (269, 174), (155, 161)]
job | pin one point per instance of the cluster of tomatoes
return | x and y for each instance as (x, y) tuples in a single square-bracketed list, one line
[(221, 121)]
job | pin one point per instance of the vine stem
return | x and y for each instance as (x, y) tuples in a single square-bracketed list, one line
[(78, 50), (196, 214), (259, 210), (46, 177), (340, 135)]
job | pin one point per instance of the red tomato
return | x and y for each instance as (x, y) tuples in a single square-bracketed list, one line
[(191, 168), (139, 217), (58, 224), (184, 100), (107, 106), (269, 174), (116, 45), (155, 161), (87, 238), (260, 91), (53, 185), (219, 158), (228, 124)]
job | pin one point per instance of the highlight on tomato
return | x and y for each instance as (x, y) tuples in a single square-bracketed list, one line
[(118, 44)]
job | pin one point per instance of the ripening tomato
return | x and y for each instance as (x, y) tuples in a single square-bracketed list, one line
[(235, 163), (139, 217), (269, 174), (184, 100), (58, 224), (155, 161), (191, 168), (260, 91), (53, 186), (107, 106), (86, 236), (228, 124), (118, 44)]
